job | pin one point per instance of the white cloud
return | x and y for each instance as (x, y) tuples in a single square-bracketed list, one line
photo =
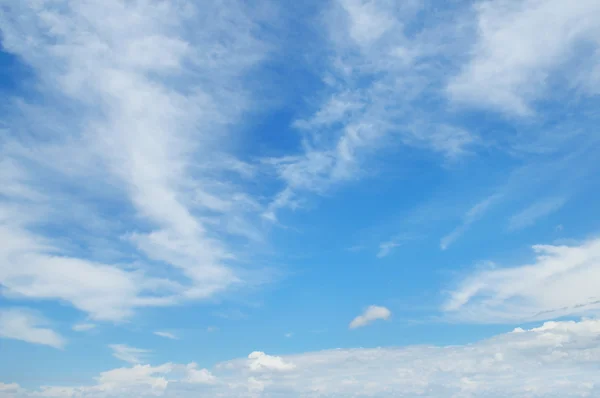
[(21, 324), (553, 179), (528, 216), (367, 20), (129, 354), (199, 376), (521, 44), (385, 248), (29, 269), (562, 281), (472, 215), (144, 379), (136, 114), (166, 335), (261, 362), (375, 76), (371, 314), (82, 327), (9, 388), (555, 359)]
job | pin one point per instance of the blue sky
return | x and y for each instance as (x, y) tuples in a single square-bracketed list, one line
[(330, 198)]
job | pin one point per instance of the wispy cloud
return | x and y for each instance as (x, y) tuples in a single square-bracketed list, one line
[(129, 354), (376, 74), (520, 45), (472, 215), (136, 115), (386, 248), (25, 325), (82, 327), (370, 315), (166, 335), (528, 216), (528, 292)]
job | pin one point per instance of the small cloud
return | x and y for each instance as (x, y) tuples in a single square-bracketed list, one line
[(231, 314), (259, 362), (356, 248), (370, 315), (25, 325), (11, 388), (559, 228), (83, 327), (129, 354), (386, 248), (212, 329), (530, 215), (288, 335), (166, 335), (475, 213)]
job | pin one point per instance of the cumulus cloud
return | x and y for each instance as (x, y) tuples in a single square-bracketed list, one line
[(9, 388), (25, 325), (261, 362), (371, 314), (129, 354), (561, 281), (555, 359), (199, 376)]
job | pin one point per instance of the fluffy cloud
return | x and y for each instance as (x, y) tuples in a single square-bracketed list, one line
[(261, 362), (371, 314), (7, 390), (21, 324), (199, 376), (555, 359), (562, 281)]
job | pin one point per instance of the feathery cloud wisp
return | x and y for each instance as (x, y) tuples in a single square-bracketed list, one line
[(145, 149), (528, 292), (21, 324)]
